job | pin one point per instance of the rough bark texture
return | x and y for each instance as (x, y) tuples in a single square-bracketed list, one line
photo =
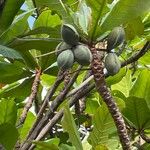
[(97, 70), (31, 98)]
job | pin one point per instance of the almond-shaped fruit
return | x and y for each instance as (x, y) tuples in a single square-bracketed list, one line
[(65, 59), (69, 34), (112, 63), (82, 55), (115, 38)]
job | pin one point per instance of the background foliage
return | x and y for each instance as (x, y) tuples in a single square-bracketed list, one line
[(31, 28)]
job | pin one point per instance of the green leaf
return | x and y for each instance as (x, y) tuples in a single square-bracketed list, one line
[(137, 112), (30, 61), (141, 87), (116, 78), (9, 13), (8, 136), (124, 85), (145, 146), (47, 80), (124, 11), (82, 17), (69, 126), (46, 19), (52, 69), (8, 111), (103, 127), (51, 144), (92, 103), (17, 28), (10, 72), (66, 147), (19, 91), (41, 44), (9, 52), (27, 125), (134, 28), (99, 8), (144, 60), (45, 45), (52, 32), (57, 5)]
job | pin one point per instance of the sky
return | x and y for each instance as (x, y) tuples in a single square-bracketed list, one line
[(30, 19)]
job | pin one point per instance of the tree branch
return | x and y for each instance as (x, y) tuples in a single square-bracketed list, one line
[(145, 137), (49, 114), (138, 55), (99, 77), (80, 94), (31, 98), (46, 100)]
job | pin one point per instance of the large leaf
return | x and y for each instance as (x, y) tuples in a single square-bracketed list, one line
[(11, 72), (103, 127), (124, 85), (52, 32), (9, 12), (19, 91), (27, 125), (82, 17), (99, 8), (47, 80), (29, 59), (8, 136), (51, 144), (70, 127), (66, 147), (144, 60), (46, 19), (18, 27), (92, 102), (134, 28), (44, 45), (137, 113), (141, 87), (8, 111), (41, 44), (9, 52), (58, 6), (124, 11), (116, 78)]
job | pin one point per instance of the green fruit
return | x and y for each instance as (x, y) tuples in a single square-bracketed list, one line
[(65, 59), (69, 34), (61, 47), (82, 55), (112, 63), (115, 38)]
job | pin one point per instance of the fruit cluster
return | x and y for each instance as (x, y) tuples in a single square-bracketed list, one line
[(115, 38), (70, 50)]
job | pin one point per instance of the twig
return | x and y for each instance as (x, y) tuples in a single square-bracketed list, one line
[(145, 137), (31, 97), (48, 96), (54, 105), (99, 77), (86, 82), (59, 114), (138, 55)]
